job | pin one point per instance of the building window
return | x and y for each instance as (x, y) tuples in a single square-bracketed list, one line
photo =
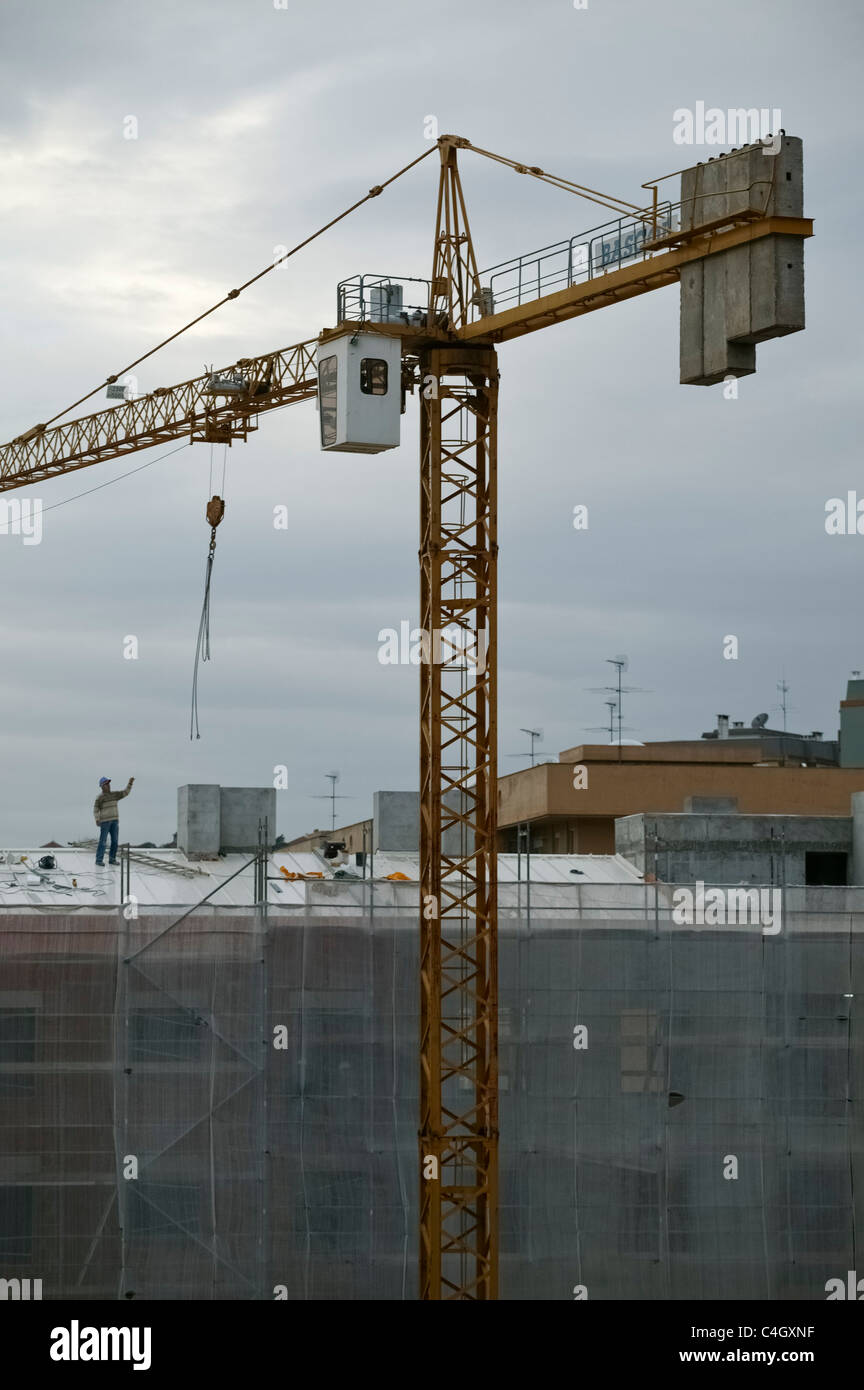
[(17, 1049), (642, 1068), (373, 376), (16, 1225), (328, 371), (825, 868), (165, 1035)]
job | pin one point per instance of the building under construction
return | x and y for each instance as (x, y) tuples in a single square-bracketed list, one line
[(220, 1101), (224, 1102)]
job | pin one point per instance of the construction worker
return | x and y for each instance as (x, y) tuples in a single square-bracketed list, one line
[(108, 819)]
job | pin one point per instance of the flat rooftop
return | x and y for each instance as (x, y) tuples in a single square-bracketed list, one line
[(166, 878)]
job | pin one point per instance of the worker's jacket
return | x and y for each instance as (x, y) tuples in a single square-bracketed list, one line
[(105, 805)]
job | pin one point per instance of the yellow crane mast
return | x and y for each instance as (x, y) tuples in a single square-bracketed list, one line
[(734, 240)]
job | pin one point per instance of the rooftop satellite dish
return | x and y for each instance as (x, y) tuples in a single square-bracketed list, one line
[(759, 722)]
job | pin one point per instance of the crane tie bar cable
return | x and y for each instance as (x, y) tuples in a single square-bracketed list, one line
[(617, 205), (374, 192), (592, 195)]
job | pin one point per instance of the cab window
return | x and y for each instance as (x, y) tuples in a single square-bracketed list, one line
[(327, 376), (373, 376)]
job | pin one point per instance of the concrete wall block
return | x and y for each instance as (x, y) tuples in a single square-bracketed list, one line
[(857, 866), (198, 820), (241, 808), (736, 848), (746, 295), (737, 292), (715, 306), (789, 276), (732, 182), (631, 834), (787, 193), (751, 179), (396, 822), (714, 202), (776, 287), (720, 357), (739, 196), (692, 360), (690, 182), (760, 174)]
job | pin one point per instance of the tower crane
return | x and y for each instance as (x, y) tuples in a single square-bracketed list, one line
[(734, 242)]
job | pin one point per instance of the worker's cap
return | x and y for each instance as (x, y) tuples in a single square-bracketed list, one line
[(103, 780)]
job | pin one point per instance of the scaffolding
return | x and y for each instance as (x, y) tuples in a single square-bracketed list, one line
[(259, 1067)]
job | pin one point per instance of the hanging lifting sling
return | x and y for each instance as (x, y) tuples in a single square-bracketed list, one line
[(215, 512)]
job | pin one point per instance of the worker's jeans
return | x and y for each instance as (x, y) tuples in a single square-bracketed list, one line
[(108, 827)]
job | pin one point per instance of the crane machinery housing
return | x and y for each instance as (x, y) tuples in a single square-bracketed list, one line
[(734, 240)]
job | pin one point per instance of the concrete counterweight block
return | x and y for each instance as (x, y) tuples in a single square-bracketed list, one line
[(776, 288), (721, 357), (733, 299)]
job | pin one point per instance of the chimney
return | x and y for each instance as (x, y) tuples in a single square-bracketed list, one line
[(722, 726)]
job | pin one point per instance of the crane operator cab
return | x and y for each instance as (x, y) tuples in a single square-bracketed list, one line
[(360, 392)]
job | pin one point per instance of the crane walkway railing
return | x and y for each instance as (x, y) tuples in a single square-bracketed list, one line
[(386, 298), (572, 261), (381, 299)]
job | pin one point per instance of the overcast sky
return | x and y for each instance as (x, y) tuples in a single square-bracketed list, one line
[(254, 126)]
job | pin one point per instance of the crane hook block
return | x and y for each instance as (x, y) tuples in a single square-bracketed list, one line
[(215, 511)]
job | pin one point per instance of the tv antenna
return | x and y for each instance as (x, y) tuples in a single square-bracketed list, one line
[(532, 734), (332, 797), (612, 706), (783, 689), (621, 664)]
